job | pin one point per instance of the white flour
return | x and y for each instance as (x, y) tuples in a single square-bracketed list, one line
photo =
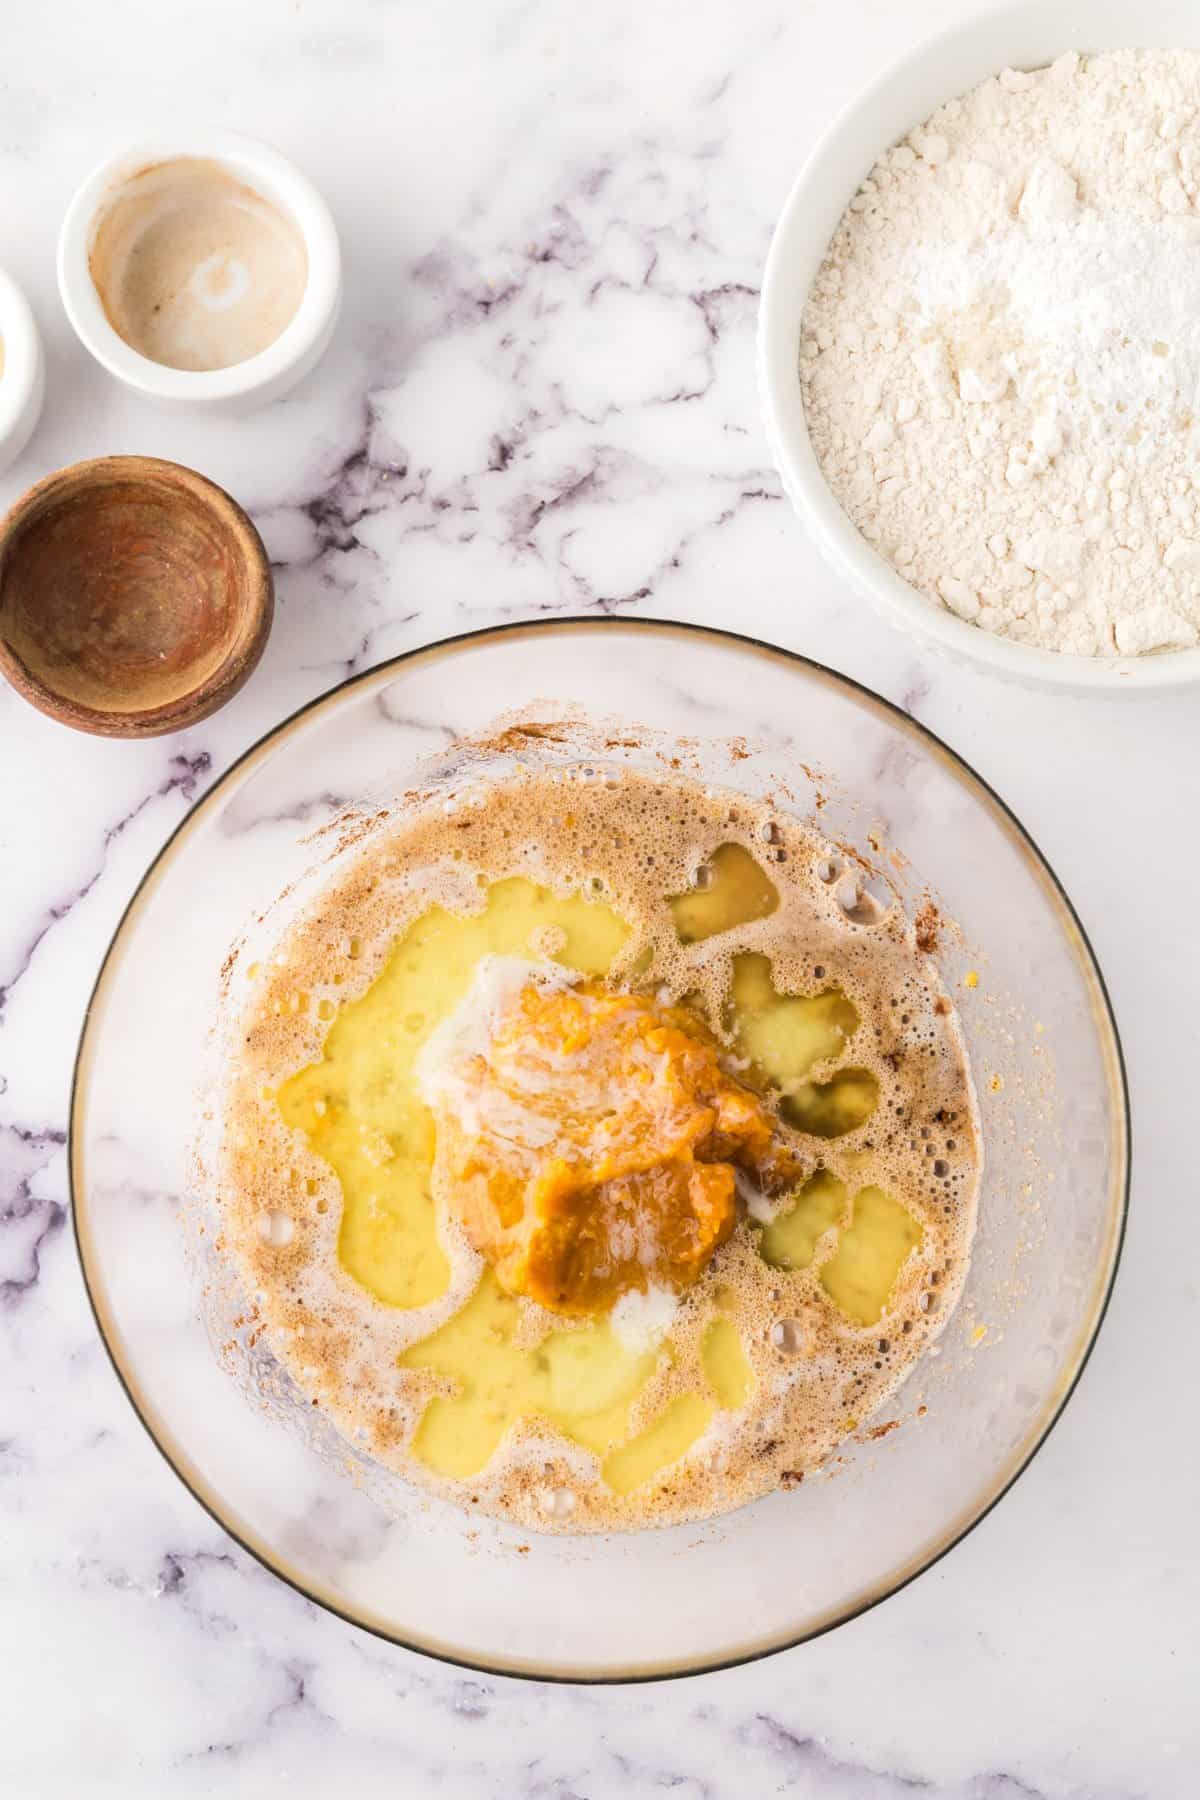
[(1000, 355)]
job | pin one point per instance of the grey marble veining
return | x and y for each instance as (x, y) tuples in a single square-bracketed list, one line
[(541, 400)]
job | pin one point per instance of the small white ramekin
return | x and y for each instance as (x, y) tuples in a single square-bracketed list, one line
[(1023, 36), (259, 378), (23, 381)]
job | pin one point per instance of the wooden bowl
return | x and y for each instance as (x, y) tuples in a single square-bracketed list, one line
[(135, 596)]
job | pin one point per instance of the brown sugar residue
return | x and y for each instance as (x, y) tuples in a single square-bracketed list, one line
[(854, 855), (350, 827), (927, 924), (880, 1431), (519, 737)]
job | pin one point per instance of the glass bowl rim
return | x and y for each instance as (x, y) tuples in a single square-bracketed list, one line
[(586, 624)]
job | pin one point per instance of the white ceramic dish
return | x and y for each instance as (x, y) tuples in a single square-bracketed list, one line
[(1028, 36), (259, 378), (23, 380)]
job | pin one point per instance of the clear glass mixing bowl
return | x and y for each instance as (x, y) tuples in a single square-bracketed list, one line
[(1048, 1068)]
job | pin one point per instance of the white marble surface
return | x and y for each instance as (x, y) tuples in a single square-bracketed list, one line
[(541, 400)]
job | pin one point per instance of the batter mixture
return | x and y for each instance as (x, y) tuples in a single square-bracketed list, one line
[(600, 1153)]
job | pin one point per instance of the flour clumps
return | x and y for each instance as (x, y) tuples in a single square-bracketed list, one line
[(1000, 355)]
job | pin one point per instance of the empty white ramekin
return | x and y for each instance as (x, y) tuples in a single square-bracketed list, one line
[(259, 378), (23, 377), (1023, 36)]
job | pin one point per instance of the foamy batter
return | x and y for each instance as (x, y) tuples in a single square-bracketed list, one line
[(810, 1374)]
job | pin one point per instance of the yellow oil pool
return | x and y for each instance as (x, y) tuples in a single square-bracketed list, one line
[(786, 1035), (830, 1109), (583, 1381), (667, 1438), (726, 1365), (874, 1236), (871, 1251), (732, 889)]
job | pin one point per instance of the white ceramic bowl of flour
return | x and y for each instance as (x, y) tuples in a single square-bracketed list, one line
[(1026, 36)]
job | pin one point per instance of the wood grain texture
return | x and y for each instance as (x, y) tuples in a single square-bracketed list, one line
[(135, 596)]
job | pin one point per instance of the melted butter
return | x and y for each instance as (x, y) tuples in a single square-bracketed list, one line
[(359, 1107), (667, 1438), (830, 1109), (734, 890), (862, 1272), (790, 1240), (583, 1382), (683, 1420), (726, 1365), (786, 1035), (874, 1238)]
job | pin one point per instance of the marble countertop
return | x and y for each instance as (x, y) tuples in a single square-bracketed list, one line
[(541, 400)]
